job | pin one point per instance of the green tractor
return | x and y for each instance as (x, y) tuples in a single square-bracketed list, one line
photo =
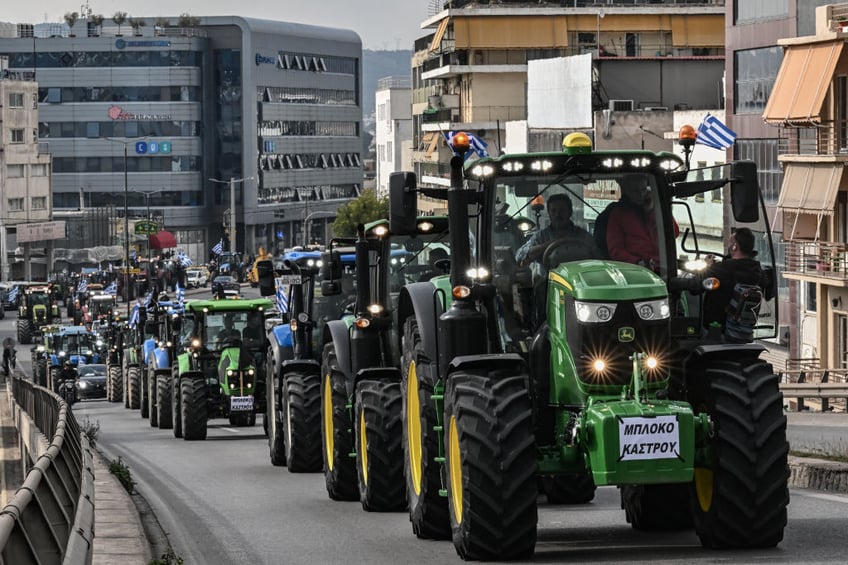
[(37, 309), (219, 368), (615, 380), (360, 388)]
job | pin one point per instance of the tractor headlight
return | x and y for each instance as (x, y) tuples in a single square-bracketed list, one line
[(195, 343), (653, 310), (652, 363), (62, 354), (477, 273), (375, 309), (599, 365), (594, 312), (230, 372), (232, 385), (303, 317), (248, 385), (251, 372)]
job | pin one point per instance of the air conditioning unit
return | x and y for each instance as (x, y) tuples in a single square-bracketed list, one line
[(621, 105)]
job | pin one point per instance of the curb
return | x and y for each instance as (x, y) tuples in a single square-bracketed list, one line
[(818, 474)]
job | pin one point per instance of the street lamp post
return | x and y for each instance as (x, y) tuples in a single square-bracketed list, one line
[(232, 183), (147, 194), (320, 213)]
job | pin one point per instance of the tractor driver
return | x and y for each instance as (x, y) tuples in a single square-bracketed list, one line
[(254, 333), (561, 228), (229, 331)]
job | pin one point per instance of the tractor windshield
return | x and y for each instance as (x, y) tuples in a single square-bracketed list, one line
[(224, 327), (39, 299)]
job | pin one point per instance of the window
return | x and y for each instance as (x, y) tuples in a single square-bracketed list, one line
[(16, 205), (92, 129), (16, 100), (756, 70), (38, 170), (14, 171), (39, 202), (16, 136), (748, 11), (764, 153), (54, 95)]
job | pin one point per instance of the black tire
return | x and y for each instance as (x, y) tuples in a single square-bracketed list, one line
[(193, 401), (569, 489), (24, 331), (740, 492), (163, 401), (273, 424), (491, 465), (657, 507), (301, 418), (428, 510), (42, 372), (152, 408), (176, 404), (133, 388), (117, 383), (238, 420), (144, 392), (379, 460), (337, 432)]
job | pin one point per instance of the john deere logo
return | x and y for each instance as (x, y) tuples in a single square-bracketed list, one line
[(626, 334)]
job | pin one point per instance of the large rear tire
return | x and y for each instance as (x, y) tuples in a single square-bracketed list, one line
[(152, 408), (273, 423), (193, 401), (339, 466), (133, 388), (176, 402), (379, 432), (657, 507), (740, 492), (163, 401), (24, 331), (428, 510), (302, 422), (144, 392), (491, 465)]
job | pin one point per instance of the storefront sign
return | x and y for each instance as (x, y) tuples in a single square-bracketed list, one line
[(42, 231)]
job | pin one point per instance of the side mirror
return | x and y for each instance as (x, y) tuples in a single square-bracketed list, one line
[(331, 273), (744, 191), (330, 288), (403, 203)]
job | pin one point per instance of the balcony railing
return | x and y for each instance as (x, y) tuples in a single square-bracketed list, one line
[(816, 259), (829, 138)]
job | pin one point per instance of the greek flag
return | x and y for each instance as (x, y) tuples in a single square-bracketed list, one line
[(184, 260), (477, 145), (112, 288), (147, 299), (82, 287), (180, 292), (713, 133), (13, 294), (133, 322), (219, 247), (282, 301)]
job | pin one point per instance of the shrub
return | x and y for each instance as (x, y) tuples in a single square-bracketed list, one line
[(120, 470)]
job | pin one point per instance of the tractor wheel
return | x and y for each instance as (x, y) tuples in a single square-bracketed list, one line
[(116, 383), (491, 465), (568, 489), (176, 402), (657, 507), (238, 420), (193, 401), (428, 510), (125, 381), (143, 392), (379, 432), (273, 424), (24, 331), (133, 388), (250, 420), (301, 400), (163, 401), (339, 466), (740, 491), (152, 408), (42, 372)]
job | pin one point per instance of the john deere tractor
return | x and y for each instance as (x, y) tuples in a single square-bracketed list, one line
[(615, 376), (360, 388), (219, 370), (37, 309)]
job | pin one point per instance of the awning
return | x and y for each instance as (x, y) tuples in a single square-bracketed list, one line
[(440, 33), (802, 83), (810, 188), (163, 240)]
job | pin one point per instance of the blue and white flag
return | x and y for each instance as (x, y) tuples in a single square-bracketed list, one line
[(282, 301), (180, 292), (112, 288), (477, 145), (82, 287), (134, 315), (13, 294), (713, 133), (147, 299), (219, 247), (184, 260)]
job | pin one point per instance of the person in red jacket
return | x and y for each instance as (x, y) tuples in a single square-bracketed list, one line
[(632, 227)]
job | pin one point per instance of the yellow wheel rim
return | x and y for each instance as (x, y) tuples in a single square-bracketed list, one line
[(413, 427), (328, 420), (455, 470), (704, 488), (363, 451)]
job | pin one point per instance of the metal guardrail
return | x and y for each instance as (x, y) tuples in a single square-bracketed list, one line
[(51, 517), (806, 379)]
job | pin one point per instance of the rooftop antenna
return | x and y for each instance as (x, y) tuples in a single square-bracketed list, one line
[(85, 10)]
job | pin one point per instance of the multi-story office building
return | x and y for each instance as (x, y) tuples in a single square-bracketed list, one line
[(393, 129), (178, 118)]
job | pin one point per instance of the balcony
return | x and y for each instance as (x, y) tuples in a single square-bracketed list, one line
[(830, 139), (806, 260)]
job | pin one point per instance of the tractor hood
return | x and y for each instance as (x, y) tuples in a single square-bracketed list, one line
[(609, 281)]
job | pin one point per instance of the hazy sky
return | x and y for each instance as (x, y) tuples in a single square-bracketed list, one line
[(382, 24)]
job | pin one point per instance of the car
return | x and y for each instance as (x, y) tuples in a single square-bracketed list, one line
[(228, 285), (91, 382), (195, 278)]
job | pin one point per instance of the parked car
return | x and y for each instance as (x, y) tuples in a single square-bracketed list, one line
[(196, 278), (91, 382), (227, 284), (5, 289)]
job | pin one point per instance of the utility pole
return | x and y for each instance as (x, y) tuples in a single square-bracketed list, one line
[(232, 184)]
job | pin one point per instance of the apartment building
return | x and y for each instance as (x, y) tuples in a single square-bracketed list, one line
[(393, 129)]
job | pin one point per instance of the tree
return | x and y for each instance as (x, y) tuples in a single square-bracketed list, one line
[(367, 208), (119, 18), (187, 20), (97, 20), (137, 24), (161, 24), (71, 19)]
